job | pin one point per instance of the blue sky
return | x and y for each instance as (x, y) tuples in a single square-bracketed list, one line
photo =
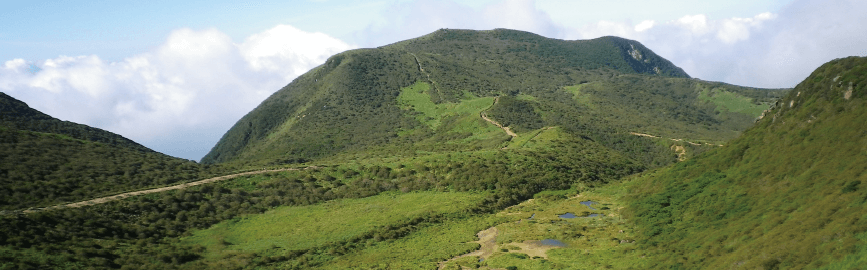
[(175, 75)]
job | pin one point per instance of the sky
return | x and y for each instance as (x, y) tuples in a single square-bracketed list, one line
[(176, 75)]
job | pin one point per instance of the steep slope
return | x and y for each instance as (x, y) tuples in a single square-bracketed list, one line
[(789, 193), (45, 161), (427, 94)]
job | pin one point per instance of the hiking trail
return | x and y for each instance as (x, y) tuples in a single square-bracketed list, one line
[(149, 191)]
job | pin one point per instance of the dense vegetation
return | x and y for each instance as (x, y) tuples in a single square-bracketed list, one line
[(787, 194), (357, 101), (145, 231), (405, 155), (16, 115), (45, 161)]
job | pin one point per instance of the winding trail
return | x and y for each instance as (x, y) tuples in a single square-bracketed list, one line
[(485, 116), (155, 190)]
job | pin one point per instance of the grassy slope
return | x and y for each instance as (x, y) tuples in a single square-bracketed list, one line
[(787, 194), (401, 96)]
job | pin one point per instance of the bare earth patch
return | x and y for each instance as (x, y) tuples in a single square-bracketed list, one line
[(488, 240)]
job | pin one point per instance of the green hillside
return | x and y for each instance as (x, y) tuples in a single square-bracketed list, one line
[(787, 194), (15, 114), (45, 161), (427, 94), (459, 149)]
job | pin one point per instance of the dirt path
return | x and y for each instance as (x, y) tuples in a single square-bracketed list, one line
[(488, 240), (155, 190), (676, 140), (420, 69), (485, 116), (643, 135)]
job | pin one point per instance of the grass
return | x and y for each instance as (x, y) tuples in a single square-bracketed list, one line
[(420, 250), (304, 227), (581, 97), (787, 194), (732, 102), (417, 98), (540, 138), (593, 243)]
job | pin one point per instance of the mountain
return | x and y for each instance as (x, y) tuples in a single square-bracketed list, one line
[(427, 95), (787, 194), (411, 150), (46, 161)]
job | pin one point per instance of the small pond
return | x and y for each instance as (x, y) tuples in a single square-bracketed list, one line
[(531, 217), (570, 215), (588, 203), (553, 242)]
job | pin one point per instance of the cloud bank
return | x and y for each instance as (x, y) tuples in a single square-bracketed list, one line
[(178, 98)]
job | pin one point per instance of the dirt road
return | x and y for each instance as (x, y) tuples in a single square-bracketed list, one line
[(155, 190)]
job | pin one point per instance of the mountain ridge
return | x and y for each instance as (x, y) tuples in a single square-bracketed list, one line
[(350, 102)]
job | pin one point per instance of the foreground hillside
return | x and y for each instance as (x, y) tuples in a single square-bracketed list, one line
[(787, 194), (427, 94), (46, 161)]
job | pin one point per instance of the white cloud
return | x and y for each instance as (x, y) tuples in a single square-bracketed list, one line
[(766, 50), (695, 23), (195, 81), (409, 20), (644, 25), (738, 29), (285, 48)]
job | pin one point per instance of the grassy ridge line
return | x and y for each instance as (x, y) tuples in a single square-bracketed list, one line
[(153, 190)]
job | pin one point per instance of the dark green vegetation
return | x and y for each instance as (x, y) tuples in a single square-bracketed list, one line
[(787, 194), (409, 152), (145, 231), (396, 100), (45, 161)]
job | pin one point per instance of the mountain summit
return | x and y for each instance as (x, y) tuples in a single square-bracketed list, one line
[(428, 93)]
